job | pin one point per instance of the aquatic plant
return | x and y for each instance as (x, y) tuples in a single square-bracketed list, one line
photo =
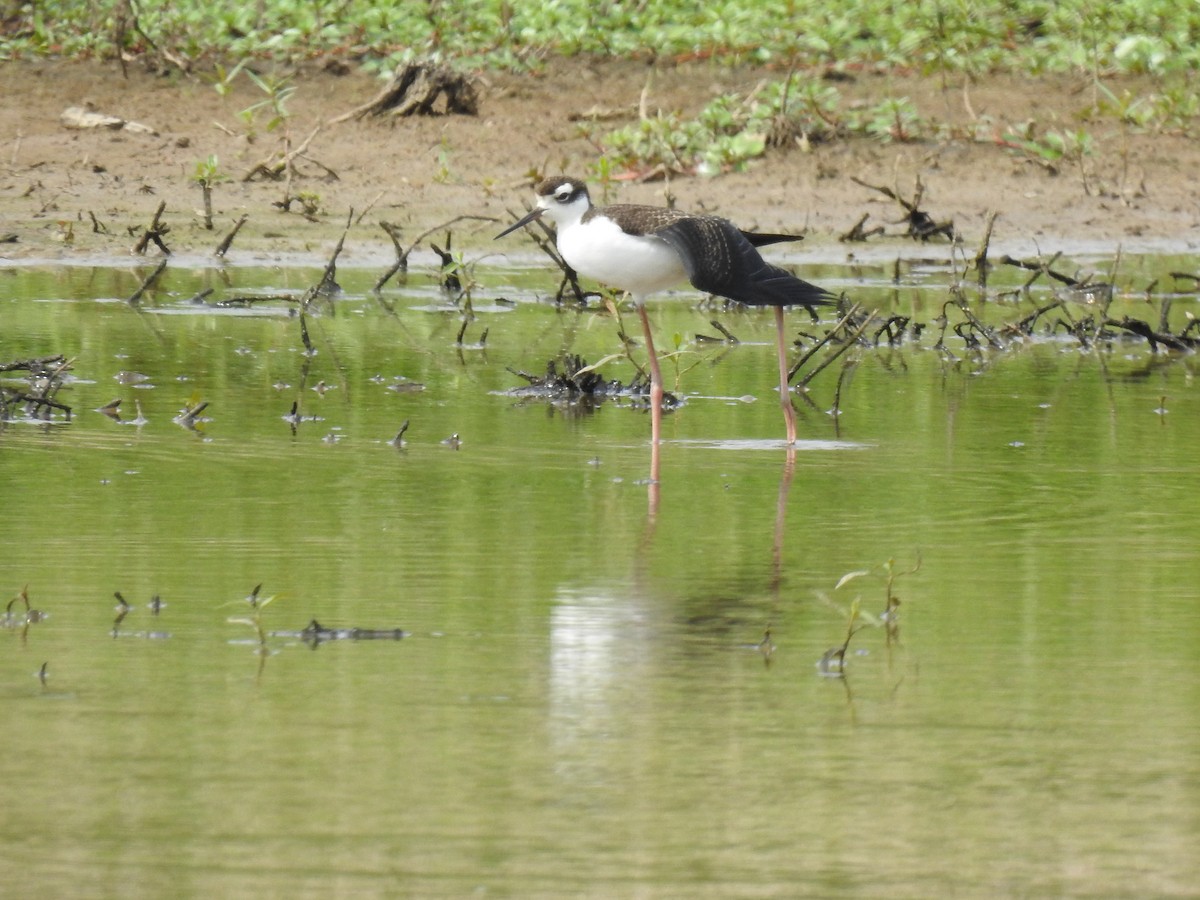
[(255, 620), (833, 661)]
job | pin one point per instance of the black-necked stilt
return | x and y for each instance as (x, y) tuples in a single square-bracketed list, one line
[(646, 249)]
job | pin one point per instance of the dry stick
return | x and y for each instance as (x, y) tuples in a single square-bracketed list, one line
[(887, 192), (265, 165), (1026, 325), (1164, 315), (1112, 281), (858, 233), (30, 364), (227, 241), (982, 266), (333, 175), (402, 260), (360, 111), (328, 277), (304, 338), (961, 302), (825, 340), (206, 196), (370, 205), (137, 295), (287, 172), (327, 281), (1039, 268), (303, 148), (837, 394), (1138, 327), (725, 331), (34, 401), (50, 384), (401, 263), (546, 243), (64, 365), (154, 232), (840, 350)]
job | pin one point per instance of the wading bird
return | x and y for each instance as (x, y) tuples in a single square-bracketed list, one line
[(646, 249)]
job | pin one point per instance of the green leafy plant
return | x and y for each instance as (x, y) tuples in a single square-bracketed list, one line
[(893, 120), (1055, 148), (833, 662), (208, 173), (277, 91), (255, 619)]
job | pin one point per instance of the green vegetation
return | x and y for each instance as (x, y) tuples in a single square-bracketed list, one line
[(207, 174), (733, 129), (943, 36), (953, 40), (833, 662)]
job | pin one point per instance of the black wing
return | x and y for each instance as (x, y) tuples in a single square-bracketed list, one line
[(720, 259), (643, 220), (762, 238)]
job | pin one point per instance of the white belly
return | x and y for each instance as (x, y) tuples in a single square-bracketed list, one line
[(641, 265)]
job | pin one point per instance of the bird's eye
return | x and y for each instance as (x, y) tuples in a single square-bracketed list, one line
[(563, 194)]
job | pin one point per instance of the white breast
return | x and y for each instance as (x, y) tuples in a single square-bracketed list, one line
[(599, 249)]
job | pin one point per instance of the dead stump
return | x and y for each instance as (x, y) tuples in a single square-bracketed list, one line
[(422, 89)]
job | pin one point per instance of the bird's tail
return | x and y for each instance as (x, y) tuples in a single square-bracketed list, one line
[(778, 287)]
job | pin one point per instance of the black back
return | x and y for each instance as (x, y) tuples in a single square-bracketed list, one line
[(721, 259)]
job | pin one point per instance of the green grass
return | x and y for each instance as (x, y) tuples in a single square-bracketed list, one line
[(952, 40), (931, 36)]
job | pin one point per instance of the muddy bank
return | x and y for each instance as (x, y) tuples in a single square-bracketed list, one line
[(76, 193)]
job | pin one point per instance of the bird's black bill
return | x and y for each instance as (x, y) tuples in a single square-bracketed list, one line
[(524, 220)]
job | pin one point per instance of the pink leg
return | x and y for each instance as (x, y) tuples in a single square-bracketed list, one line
[(656, 401), (656, 383), (785, 390)]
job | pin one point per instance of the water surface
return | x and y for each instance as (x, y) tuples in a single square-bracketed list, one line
[(582, 706)]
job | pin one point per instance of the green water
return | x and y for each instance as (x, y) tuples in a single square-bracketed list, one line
[(580, 708)]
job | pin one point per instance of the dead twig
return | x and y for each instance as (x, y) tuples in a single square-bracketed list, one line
[(981, 263), (730, 338), (1040, 267), (402, 254), (154, 233), (327, 287), (851, 339), (921, 225), (227, 241), (43, 382), (1138, 327), (858, 234), (136, 296), (274, 168)]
